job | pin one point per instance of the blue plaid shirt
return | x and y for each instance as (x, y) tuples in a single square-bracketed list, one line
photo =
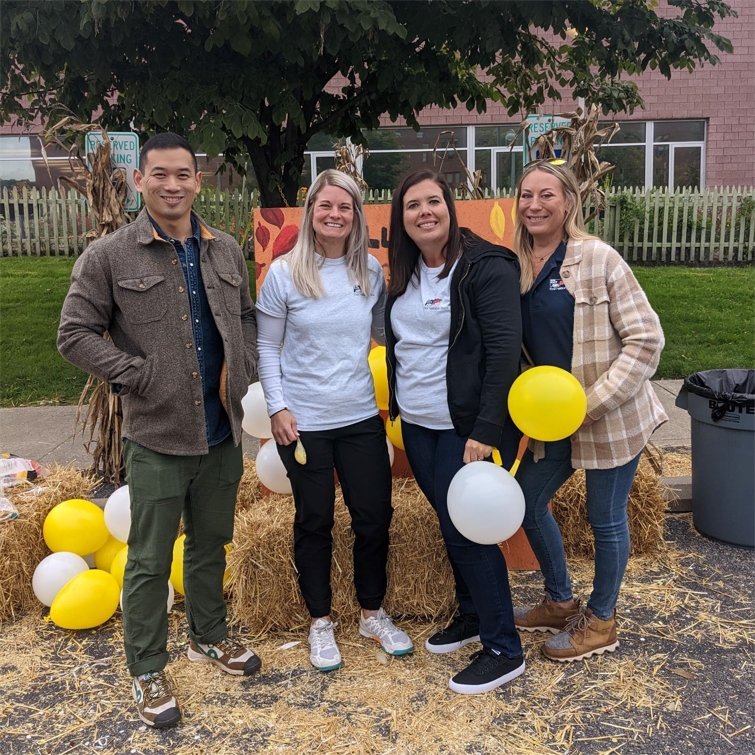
[(207, 340)]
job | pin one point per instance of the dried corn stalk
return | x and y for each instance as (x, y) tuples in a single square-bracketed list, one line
[(577, 143), (472, 187), (104, 187), (346, 161)]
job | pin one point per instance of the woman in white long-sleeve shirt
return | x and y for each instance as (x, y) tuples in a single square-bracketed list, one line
[(323, 301)]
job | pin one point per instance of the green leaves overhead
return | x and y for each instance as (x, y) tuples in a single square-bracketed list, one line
[(251, 79)]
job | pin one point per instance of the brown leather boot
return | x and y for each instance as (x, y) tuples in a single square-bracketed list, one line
[(584, 635), (546, 616)]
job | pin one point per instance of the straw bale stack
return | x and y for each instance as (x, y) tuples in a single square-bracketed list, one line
[(265, 593), (21, 544)]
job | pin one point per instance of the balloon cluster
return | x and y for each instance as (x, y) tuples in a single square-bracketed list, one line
[(485, 502), (78, 532)]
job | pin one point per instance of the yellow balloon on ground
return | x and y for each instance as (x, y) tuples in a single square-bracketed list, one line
[(118, 566), (103, 558), (177, 567), (393, 431), (379, 370), (76, 526), (547, 403), (87, 601)]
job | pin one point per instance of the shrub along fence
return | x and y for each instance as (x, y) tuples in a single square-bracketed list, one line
[(656, 226)]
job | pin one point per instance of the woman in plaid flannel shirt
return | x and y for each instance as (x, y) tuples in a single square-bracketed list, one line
[(584, 311)]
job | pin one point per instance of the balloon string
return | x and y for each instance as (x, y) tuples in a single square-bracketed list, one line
[(520, 453)]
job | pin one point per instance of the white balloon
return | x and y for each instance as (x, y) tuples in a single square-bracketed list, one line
[(485, 503), (255, 420), (54, 572), (270, 469), (391, 451), (118, 514), (171, 597)]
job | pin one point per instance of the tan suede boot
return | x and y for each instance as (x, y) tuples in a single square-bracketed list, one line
[(546, 616), (584, 635)]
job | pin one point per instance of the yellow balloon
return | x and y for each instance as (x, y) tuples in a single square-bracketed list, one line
[(103, 558), (177, 567), (547, 403), (393, 431), (76, 526), (118, 565), (88, 600), (379, 370)]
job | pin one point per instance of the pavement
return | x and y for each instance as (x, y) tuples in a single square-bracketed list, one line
[(48, 434)]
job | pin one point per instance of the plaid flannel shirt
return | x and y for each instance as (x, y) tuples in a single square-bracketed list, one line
[(617, 345)]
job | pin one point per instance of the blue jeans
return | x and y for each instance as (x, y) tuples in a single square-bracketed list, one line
[(480, 573), (607, 494)]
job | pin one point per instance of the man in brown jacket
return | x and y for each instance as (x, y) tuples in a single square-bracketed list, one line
[(174, 296)]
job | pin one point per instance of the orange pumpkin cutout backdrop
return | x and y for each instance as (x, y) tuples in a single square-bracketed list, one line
[(276, 229)]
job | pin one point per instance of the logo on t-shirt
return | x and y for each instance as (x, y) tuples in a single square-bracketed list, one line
[(556, 284), (358, 290), (434, 303)]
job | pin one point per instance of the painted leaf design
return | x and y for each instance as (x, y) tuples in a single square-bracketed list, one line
[(285, 240), (273, 215), (497, 221), (262, 235)]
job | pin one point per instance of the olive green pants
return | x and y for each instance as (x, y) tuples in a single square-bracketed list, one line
[(163, 488)]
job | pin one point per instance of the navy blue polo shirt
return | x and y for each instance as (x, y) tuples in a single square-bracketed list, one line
[(207, 340), (548, 316)]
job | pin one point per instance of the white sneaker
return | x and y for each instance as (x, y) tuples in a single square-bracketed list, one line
[(381, 629), (323, 651)]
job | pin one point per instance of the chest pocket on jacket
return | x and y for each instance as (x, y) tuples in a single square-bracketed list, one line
[(231, 285), (592, 315), (142, 300)]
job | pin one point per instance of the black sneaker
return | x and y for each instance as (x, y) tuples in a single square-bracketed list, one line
[(487, 671), (464, 629)]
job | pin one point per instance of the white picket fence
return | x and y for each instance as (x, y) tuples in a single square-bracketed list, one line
[(709, 226)]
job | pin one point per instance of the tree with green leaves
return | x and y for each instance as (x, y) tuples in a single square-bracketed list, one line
[(257, 81)]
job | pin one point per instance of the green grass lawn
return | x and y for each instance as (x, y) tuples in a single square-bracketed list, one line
[(708, 315)]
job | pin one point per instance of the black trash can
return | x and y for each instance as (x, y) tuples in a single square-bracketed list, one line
[(721, 404)]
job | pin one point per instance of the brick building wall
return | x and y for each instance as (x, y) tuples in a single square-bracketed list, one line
[(723, 95)]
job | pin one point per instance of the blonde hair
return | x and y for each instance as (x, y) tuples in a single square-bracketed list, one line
[(574, 224), (304, 262)]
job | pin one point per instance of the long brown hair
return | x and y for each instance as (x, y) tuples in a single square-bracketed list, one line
[(403, 253), (574, 224)]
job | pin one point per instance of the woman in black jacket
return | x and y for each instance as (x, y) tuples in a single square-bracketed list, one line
[(453, 333)]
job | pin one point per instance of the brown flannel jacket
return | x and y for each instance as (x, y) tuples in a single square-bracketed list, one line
[(130, 284), (617, 345)]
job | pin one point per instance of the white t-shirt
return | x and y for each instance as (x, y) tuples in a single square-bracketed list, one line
[(324, 378), (421, 320)]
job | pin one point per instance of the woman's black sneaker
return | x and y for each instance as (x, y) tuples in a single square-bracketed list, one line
[(464, 629), (487, 671)]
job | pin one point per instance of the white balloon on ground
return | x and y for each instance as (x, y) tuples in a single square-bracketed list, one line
[(391, 450), (485, 503), (255, 420), (118, 514), (171, 597), (54, 573), (270, 469)]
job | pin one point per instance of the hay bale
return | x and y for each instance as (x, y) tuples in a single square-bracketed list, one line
[(265, 591), (21, 544), (646, 510)]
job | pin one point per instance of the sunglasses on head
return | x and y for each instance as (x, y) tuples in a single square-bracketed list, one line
[(545, 161)]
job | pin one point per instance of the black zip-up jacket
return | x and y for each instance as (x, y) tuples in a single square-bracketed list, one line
[(485, 340)]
